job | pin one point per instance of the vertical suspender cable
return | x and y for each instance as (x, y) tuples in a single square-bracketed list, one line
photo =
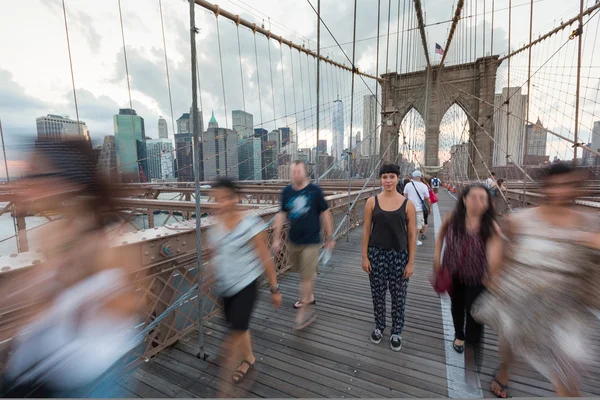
[(373, 135), (580, 34), (285, 122), (258, 83), (402, 39), (398, 37), (128, 84), (294, 90), (71, 65), (316, 162), (508, 95), (222, 76), (303, 102), (196, 158), (525, 149), (241, 71), (162, 25), (388, 37), (272, 86), (492, 33), (352, 117)]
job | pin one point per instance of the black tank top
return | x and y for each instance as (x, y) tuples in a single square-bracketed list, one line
[(388, 229)]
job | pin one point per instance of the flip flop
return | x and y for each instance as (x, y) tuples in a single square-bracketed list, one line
[(503, 388), (307, 321), (238, 376), (300, 304)]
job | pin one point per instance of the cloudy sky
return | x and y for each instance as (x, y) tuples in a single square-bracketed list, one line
[(35, 77)]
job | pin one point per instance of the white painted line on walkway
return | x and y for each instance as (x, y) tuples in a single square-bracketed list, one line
[(462, 384)]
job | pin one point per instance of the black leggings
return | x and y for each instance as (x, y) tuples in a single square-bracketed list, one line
[(463, 297)]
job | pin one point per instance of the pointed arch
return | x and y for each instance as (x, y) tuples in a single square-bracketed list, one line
[(454, 130), (411, 140)]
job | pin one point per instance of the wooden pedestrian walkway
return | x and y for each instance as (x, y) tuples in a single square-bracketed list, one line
[(334, 357)]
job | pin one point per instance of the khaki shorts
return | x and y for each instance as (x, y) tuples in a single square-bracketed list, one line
[(304, 259), (435, 190), (420, 220)]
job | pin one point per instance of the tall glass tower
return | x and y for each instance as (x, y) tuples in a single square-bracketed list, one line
[(130, 135)]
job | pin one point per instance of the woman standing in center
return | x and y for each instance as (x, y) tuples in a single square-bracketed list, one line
[(388, 252), (473, 242)]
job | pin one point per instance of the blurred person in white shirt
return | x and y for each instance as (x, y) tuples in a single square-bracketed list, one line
[(418, 193)]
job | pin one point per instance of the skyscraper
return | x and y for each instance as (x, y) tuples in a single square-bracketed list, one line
[(199, 125), (286, 135), (517, 107), (163, 129), (322, 146), (242, 123), (56, 127), (596, 136), (370, 124), (183, 123), (107, 162), (262, 133), (537, 138), (269, 161), (250, 159), (130, 137), (160, 159), (275, 136), (185, 157), (337, 123), (220, 152)]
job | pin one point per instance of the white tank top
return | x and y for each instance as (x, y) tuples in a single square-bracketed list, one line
[(75, 341)]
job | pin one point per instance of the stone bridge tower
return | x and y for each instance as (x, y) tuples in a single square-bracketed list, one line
[(464, 85)]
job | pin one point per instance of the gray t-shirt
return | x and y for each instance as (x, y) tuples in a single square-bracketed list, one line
[(236, 259)]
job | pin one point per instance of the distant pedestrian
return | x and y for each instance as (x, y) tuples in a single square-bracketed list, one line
[(435, 184), (418, 193), (304, 206), (388, 252), (423, 231), (491, 184)]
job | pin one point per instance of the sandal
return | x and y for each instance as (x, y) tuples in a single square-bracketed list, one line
[(502, 393), (300, 304), (238, 375)]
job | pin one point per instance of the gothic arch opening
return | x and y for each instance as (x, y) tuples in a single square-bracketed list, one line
[(454, 140), (411, 142)]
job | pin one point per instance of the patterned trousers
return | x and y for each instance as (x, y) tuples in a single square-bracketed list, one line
[(387, 271)]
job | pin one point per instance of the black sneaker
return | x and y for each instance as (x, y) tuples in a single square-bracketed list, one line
[(396, 342), (376, 336), (423, 237)]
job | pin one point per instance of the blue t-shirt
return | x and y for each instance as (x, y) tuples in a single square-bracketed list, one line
[(304, 208)]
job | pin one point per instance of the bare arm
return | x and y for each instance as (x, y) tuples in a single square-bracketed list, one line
[(411, 214), (260, 242), (439, 242), (368, 220), (493, 251), (277, 228), (327, 225)]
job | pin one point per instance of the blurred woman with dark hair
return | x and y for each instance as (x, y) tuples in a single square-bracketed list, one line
[(473, 245), (539, 299), (241, 257), (87, 307)]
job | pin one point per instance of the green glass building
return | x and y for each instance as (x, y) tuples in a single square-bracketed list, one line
[(130, 139)]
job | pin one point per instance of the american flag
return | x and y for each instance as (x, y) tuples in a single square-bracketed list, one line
[(439, 50)]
